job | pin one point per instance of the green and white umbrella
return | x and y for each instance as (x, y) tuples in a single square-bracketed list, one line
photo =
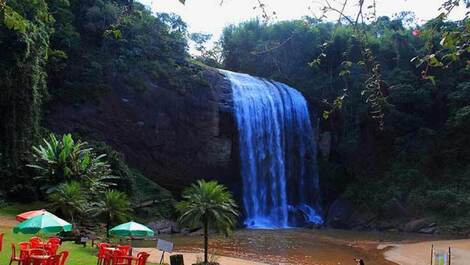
[(44, 223), (131, 229)]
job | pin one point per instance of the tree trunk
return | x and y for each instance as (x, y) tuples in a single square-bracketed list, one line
[(206, 240), (108, 226), (72, 220)]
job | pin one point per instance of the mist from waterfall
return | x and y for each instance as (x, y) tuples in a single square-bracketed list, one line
[(277, 154)]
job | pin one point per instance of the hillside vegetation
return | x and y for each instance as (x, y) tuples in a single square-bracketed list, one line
[(414, 163), (418, 164), (71, 52)]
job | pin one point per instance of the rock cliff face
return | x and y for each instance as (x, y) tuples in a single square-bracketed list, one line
[(172, 136)]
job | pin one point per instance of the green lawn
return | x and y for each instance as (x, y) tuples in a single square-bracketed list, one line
[(79, 255)]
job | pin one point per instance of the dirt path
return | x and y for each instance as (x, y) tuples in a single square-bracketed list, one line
[(420, 253), (8, 221)]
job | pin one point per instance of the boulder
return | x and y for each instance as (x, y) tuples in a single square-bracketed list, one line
[(164, 227), (417, 225), (343, 214), (429, 230), (174, 137)]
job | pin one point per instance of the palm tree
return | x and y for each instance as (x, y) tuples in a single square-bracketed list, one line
[(113, 207), (69, 198), (208, 203)]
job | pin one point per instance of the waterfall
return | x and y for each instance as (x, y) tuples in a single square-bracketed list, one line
[(277, 153)]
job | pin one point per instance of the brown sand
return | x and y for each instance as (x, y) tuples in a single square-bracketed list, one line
[(420, 253), (8, 221), (190, 258)]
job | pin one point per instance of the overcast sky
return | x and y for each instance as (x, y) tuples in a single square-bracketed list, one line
[(209, 16)]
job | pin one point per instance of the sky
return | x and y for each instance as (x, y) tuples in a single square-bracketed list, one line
[(210, 16)]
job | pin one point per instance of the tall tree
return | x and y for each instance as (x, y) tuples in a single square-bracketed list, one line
[(25, 27), (208, 203), (113, 207), (69, 199)]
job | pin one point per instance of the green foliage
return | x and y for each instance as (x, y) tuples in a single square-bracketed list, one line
[(208, 200), (207, 56), (114, 207), (71, 51), (25, 27), (140, 188), (69, 199), (13, 20), (145, 190), (125, 47), (423, 145), (59, 161), (78, 181), (447, 43)]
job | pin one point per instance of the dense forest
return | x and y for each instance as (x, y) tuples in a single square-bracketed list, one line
[(74, 51), (418, 163)]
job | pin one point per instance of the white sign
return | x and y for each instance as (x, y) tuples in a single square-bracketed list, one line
[(440, 258), (164, 245)]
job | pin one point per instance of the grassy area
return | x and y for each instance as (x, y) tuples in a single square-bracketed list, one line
[(79, 255)]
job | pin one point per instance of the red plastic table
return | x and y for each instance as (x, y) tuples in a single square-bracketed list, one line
[(38, 259)]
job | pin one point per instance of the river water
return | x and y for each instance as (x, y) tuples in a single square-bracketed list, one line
[(292, 246)]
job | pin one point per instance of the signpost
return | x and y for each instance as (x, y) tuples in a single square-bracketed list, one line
[(164, 246)]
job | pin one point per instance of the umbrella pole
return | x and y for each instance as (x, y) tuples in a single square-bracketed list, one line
[(131, 244)]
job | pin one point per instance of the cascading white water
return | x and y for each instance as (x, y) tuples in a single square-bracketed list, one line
[(277, 153)]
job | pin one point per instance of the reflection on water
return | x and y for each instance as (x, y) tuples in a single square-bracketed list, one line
[(290, 246)]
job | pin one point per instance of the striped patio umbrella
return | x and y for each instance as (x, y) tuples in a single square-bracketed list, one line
[(131, 229), (44, 223), (26, 215)]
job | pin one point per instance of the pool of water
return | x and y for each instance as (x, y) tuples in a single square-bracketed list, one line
[(293, 246)]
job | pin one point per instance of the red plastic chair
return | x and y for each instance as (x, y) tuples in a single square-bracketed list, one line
[(108, 257), (63, 257), (37, 252), (35, 242), (101, 252), (53, 260), (21, 259), (51, 249), (124, 249), (24, 251), (142, 258), (1, 241), (24, 246), (119, 257), (54, 240)]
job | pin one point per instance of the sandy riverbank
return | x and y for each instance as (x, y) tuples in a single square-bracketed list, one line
[(190, 258), (420, 253)]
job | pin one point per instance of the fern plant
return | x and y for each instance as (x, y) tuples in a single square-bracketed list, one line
[(114, 206), (69, 199), (65, 160)]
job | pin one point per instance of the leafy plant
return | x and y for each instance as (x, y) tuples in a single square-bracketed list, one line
[(114, 206), (208, 203), (70, 199), (64, 160)]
